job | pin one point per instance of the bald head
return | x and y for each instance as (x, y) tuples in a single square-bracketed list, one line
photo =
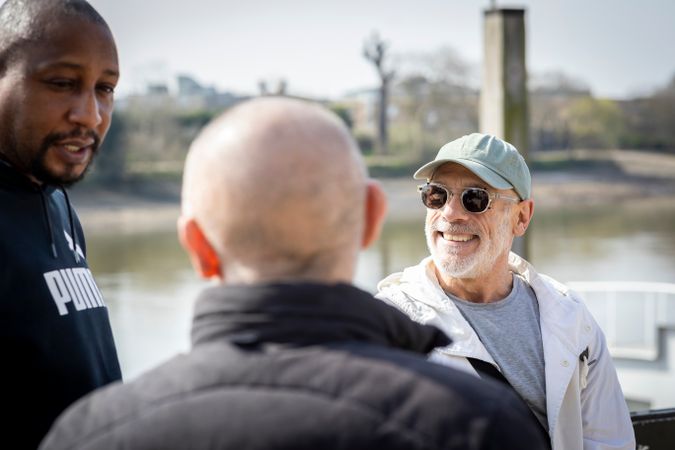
[(279, 189), (29, 21)]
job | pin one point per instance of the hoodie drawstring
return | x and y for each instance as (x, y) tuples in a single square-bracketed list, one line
[(72, 224), (49, 223)]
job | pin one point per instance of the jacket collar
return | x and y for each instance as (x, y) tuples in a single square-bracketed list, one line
[(299, 314), (420, 283), (416, 291)]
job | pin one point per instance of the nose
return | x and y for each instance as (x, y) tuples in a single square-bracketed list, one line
[(453, 209), (86, 110)]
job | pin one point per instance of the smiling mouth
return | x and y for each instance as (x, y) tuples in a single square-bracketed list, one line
[(74, 148), (76, 145), (450, 237), (74, 152)]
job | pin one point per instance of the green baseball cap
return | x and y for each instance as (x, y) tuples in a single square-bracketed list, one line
[(491, 159)]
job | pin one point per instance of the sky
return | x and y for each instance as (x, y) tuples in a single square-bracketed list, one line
[(619, 48)]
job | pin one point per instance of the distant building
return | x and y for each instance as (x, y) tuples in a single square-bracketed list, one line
[(193, 95), (159, 90), (187, 94)]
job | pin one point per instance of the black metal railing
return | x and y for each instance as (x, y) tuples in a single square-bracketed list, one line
[(654, 429)]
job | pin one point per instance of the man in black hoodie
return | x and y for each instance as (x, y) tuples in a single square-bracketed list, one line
[(58, 71), (286, 352)]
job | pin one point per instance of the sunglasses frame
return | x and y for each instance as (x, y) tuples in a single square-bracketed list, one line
[(449, 194)]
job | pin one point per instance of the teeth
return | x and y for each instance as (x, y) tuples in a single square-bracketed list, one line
[(72, 148), (457, 237)]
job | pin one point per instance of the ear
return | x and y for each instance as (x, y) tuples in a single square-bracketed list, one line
[(204, 258), (525, 212), (376, 210)]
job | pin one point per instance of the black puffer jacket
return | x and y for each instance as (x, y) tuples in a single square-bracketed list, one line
[(300, 367)]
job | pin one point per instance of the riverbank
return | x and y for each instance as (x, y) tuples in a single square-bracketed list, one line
[(586, 178)]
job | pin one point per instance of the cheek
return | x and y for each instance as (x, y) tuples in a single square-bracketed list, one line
[(504, 227), (433, 215), (15, 125), (26, 115), (511, 222), (42, 114), (494, 227), (431, 218), (9, 107), (105, 111)]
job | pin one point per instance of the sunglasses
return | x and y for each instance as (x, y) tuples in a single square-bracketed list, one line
[(474, 200)]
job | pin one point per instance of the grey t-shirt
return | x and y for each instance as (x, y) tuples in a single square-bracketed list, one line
[(510, 331)]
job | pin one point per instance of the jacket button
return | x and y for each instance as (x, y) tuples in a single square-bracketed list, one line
[(565, 363), (587, 328)]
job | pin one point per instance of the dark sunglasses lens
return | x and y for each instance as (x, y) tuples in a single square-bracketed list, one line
[(475, 200), (434, 197)]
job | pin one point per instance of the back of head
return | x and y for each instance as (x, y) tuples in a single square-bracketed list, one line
[(278, 188), (24, 21)]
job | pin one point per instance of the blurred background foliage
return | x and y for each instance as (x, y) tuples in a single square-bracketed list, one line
[(432, 98)]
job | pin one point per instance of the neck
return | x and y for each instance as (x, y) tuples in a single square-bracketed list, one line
[(491, 287), (240, 274)]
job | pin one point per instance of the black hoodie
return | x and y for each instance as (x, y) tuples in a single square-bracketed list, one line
[(55, 339)]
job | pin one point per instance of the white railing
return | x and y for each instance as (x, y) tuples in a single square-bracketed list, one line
[(630, 314)]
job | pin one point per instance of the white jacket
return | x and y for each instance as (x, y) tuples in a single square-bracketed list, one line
[(584, 402)]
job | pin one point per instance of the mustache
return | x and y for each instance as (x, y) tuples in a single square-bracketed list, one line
[(443, 226), (53, 138)]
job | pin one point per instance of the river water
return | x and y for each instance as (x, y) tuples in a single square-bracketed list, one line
[(149, 285)]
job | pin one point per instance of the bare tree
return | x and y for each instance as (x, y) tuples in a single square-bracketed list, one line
[(375, 51), (262, 87), (265, 86), (435, 97)]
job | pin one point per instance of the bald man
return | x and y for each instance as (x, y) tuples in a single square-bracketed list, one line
[(58, 71), (286, 353)]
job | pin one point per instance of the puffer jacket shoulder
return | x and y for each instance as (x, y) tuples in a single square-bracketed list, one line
[(328, 397)]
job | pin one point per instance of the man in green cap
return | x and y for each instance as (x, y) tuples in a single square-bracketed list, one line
[(507, 321)]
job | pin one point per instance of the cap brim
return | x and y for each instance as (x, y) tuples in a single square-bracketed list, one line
[(484, 173)]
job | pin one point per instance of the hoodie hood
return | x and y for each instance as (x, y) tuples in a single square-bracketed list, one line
[(14, 181)]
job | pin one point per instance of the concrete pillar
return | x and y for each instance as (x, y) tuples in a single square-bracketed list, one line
[(503, 103)]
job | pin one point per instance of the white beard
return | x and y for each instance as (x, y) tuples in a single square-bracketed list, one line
[(478, 264)]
